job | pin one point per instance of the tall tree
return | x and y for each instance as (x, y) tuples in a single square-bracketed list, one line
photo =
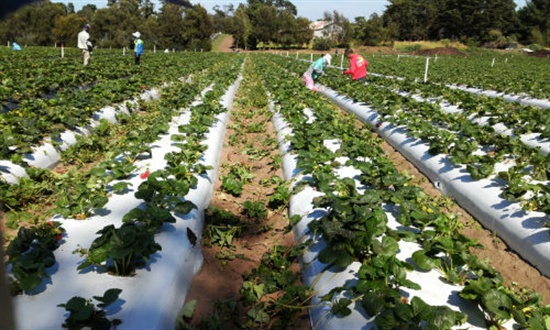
[(286, 32), (535, 18), (263, 18), (199, 27), (222, 18), (371, 32), (171, 27), (66, 28), (32, 24), (241, 28), (341, 28), (303, 32), (415, 19)]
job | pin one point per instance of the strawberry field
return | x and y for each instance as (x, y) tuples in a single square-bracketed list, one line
[(380, 252)]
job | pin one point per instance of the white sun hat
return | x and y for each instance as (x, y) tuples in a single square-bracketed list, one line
[(136, 34), (327, 58)]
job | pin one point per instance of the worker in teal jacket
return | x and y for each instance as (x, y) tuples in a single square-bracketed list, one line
[(138, 46), (315, 70)]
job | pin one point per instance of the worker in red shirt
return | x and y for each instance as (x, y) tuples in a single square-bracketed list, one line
[(357, 65)]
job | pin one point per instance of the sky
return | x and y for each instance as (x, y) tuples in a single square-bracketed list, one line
[(311, 9)]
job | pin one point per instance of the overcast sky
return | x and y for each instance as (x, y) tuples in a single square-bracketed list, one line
[(311, 9)]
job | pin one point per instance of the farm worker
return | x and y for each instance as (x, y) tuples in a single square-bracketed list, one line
[(16, 46), (138, 46), (84, 43), (357, 65), (315, 70)]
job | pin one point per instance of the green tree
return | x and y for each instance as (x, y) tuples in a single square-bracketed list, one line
[(535, 20), (415, 18), (341, 28), (105, 28), (88, 11), (286, 32), (66, 28), (263, 18), (371, 32), (241, 28), (33, 24), (199, 27), (303, 32), (171, 26), (223, 18)]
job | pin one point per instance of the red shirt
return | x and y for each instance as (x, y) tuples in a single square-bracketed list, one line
[(357, 67)]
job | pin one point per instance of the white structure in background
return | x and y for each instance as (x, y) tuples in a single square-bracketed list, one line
[(325, 29)]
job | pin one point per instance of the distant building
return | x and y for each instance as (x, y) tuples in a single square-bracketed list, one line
[(325, 29)]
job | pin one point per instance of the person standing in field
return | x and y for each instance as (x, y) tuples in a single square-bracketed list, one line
[(84, 44), (357, 65), (315, 70), (138, 46)]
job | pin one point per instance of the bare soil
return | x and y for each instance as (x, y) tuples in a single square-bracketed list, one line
[(221, 276), (439, 51), (225, 45)]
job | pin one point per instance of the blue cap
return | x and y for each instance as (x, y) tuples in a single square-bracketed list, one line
[(87, 27)]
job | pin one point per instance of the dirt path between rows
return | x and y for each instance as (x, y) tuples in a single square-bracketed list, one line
[(225, 45), (249, 143)]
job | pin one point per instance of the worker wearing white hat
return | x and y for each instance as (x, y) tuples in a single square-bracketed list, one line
[(138, 46), (315, 70)]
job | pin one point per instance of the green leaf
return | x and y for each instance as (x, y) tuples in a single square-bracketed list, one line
[(341, 258), (109, 297), (497, 303), (424, 262), (258, 315), (388, 247), (80, 309), (188, 310), (184, 207), (373, 303)]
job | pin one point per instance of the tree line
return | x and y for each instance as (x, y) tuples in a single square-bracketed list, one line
[(259, 23)]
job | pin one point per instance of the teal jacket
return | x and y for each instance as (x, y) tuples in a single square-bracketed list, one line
[(316, 68)]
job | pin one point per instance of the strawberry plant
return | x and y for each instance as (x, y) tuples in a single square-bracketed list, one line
[(235, 179), (418, 315), (254, 209), (162, 191), (222, 227), (274, 275), (83, 314), (30, 253), (121, 250)]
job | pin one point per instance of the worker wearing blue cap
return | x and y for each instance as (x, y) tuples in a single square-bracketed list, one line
[(84, 44)]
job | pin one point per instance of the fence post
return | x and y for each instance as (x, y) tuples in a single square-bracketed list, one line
[(426, 71)]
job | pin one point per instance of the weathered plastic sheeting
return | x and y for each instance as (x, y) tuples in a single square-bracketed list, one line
[(523, 232), (47, 155), (322, 279), (153, 297), (532, 140), (11, 172), (525, 100)]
